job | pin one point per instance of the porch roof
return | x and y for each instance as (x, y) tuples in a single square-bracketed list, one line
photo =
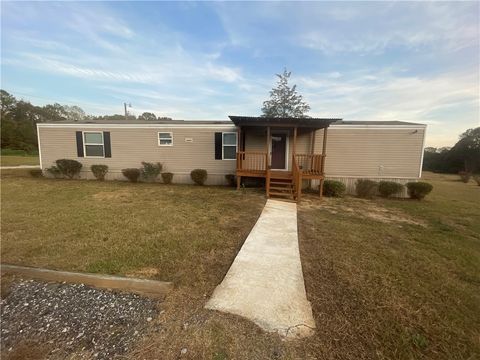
[(317, 123)]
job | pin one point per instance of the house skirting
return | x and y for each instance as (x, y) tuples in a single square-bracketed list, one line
[(178, 178), (351, 181)]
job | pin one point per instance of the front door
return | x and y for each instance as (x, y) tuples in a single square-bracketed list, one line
[(279, 147)]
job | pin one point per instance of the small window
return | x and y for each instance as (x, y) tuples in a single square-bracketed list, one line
[(93, 143), (229, 146), (165, 139)]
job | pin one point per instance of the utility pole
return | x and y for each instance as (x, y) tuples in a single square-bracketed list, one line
[(126, 111)]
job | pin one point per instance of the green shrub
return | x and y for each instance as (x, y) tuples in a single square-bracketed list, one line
[(131, 174), (366, 188), (465, 176), (477, 179), (36, 173), (231, 179), (167, 177), (334, 188), (418, 190), (69, 168), (54, 171), (150, 171), (99, 171), (199, 176), (389, 188)]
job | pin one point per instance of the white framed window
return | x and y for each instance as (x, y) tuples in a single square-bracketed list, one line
[(93, 145), (165, 139), (229, 146)]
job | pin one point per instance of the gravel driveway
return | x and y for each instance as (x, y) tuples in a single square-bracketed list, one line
[(74, 318)]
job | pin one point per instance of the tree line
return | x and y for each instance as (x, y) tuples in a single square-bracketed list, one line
[(463, 156), (19, 131), (20, 118)]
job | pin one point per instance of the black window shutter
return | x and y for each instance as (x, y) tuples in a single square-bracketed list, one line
[(79, 143), (107, 144), (218, 146)]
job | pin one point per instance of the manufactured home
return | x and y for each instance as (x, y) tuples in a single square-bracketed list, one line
[(289, 153)]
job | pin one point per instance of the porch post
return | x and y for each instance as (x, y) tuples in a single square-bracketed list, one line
[(313, 134), (239, 157), (239, 139), (267, 162), (267, 149), (324, 150), (294, 141)]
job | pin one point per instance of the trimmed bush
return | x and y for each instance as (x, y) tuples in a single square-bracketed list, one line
[(150, 171), (230, 179), (36, 173), (54, 171), (418, 190), (366, 189), (389, 188), (465, 176), (334, 188), (131, 174), (167, 177), (69, 168), (477, 179), (199, 176), (99, 171)]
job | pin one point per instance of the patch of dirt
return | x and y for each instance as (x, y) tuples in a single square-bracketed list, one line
[(144, 273), (29, 350), (360, 208), (6, 282), (120, 195)]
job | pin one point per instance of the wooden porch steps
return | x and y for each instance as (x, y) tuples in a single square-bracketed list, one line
[(281, 187)]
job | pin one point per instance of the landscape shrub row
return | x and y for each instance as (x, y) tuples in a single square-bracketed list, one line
[(66, 168), (368, 189)]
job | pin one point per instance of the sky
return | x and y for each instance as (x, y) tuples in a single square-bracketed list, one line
[(406, 61)]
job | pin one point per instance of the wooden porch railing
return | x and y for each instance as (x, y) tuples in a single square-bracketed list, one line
[(252, 161), (297, 178), (311, 164)]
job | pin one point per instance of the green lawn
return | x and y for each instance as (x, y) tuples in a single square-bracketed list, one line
[(387, 279), (13, 160), (395, 278), (177, 233)]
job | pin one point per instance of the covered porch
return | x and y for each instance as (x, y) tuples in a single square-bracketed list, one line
[(284, 151)]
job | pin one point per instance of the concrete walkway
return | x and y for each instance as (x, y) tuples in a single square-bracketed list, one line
[(265, 282)]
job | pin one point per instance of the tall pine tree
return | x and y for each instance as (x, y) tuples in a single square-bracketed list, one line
[(284, 100)]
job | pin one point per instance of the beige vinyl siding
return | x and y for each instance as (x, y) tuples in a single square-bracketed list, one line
[(359, 152), (373, 152), (389, 152), (131, 146)]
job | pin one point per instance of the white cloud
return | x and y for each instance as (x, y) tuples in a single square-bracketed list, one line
[(354, 27), (444, 101), (159, 72)]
